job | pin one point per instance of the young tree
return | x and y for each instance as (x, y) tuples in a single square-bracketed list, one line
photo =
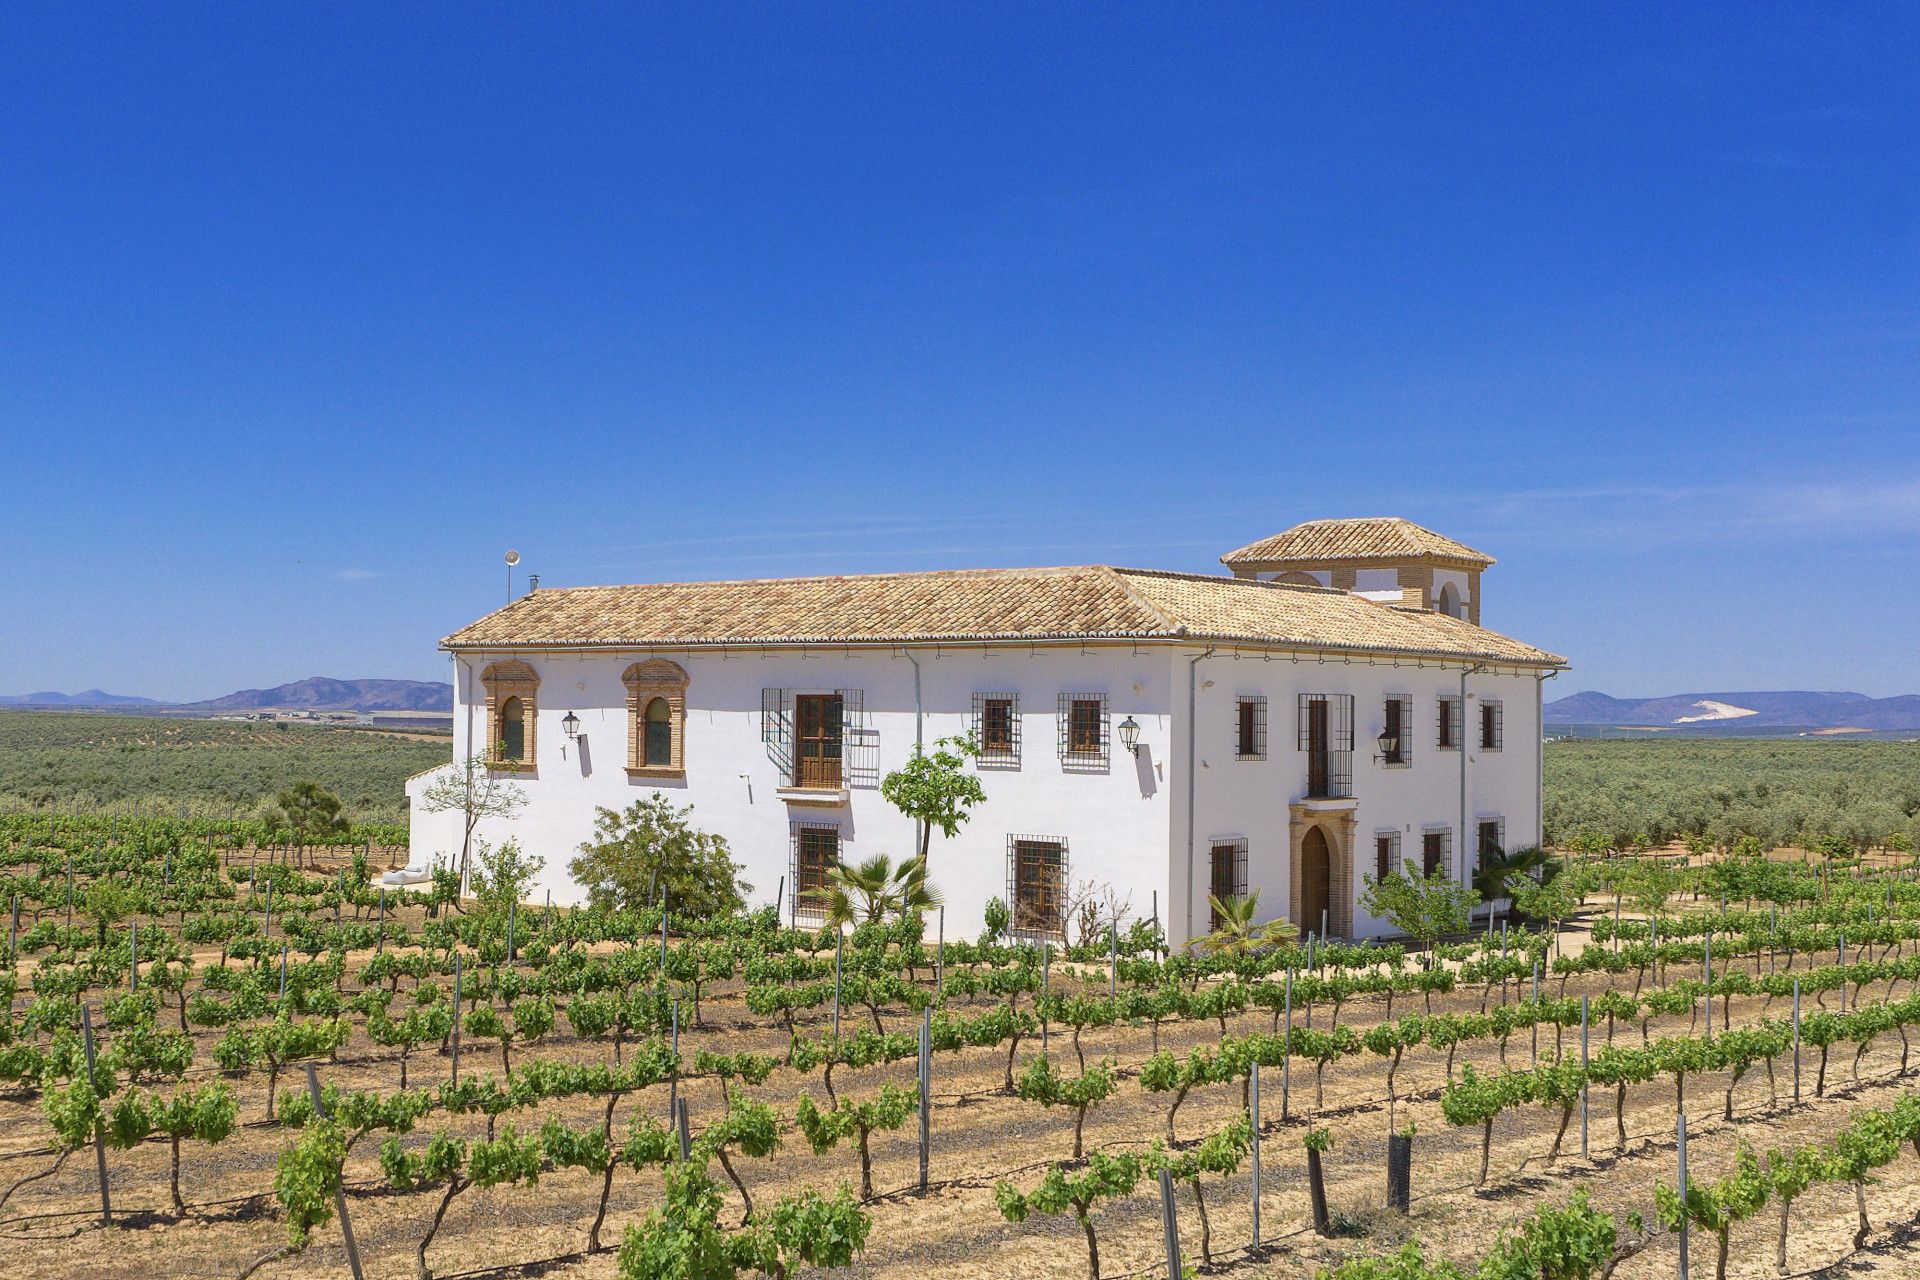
[(1106, 1178), (504, 875), (877, 889), (308, 810), (1219, 1153), (936, 790), (1041, 1084), (206, 1114), (478, 792), (1425, 908), (1575, 1243), (1787, 1177), (649, 849), (1237, 934), (1716, 1206), (824, 1130)]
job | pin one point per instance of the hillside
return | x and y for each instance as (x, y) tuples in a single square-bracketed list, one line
[(322, 693), (1732, 712), (89, 698), (317, 693)]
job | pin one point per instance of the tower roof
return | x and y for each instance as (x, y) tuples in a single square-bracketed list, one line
[(1362, 538)]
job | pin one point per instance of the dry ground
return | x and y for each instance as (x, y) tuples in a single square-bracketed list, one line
[(51, 1227)]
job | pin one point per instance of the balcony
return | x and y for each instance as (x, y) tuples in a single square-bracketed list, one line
[(1329, 774)]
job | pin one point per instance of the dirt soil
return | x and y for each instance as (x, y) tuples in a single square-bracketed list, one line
[(51, 1226)]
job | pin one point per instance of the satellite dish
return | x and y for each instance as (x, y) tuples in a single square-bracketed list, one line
[(513, 558)]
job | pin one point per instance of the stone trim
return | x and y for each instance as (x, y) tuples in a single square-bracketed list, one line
[(645, 681), (1338, 826), (511, 678)]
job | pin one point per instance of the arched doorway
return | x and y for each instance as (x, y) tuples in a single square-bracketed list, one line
[(1316, 874)]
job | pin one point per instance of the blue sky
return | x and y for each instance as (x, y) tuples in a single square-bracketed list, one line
[(306, 315)]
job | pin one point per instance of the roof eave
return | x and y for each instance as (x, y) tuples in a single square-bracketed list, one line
[(1539, 659)]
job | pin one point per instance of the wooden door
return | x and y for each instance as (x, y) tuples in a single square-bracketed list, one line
[(1316, 875), (817, 741), (1318, 764)]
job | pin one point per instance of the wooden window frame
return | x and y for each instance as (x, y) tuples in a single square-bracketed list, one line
[(1338, 718), (656, 678), (997, 756), (1445, 863), (1072, 755), (814, 911), (827, 771), (1040, 930), (503, 680), (1450, 720)]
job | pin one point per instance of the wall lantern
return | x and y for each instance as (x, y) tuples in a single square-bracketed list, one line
[(1130, 735), (571, 724), (1389, 743)]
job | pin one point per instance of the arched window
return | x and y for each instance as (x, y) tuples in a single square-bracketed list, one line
[(659, 731), (513, 731), (512, 689), (656, 719), (1449, 602)]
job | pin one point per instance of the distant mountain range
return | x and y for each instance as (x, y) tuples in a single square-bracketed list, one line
[(1723, 713), (91, 698), (318, 693)]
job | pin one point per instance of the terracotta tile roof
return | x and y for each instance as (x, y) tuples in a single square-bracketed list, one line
[(1366, 538), (1077, 603), (1238, 609)]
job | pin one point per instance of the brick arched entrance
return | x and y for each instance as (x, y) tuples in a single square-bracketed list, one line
[(1321, 840)]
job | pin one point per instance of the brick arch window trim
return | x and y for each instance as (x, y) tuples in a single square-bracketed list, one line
[(505, 681), (647, 682)]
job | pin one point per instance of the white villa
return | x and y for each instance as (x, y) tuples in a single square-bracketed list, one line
[(1328, 711)]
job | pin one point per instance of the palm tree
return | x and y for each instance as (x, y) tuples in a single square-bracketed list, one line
[(1499, 869), (1237, 934), (876, 889)]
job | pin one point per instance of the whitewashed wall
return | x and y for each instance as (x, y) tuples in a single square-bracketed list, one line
[(1127, 827), (1249, 799), (1115, 823)]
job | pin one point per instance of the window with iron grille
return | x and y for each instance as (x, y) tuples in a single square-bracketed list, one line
[(816, 851), (1386, 854), (1326, 735), (1448, 729), (1250, 728), (1227, 874), (1083, 731), (996, 729), (1037, 886), (1397, 727), (1436, 849), (1492, 841), (1492, 730)]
